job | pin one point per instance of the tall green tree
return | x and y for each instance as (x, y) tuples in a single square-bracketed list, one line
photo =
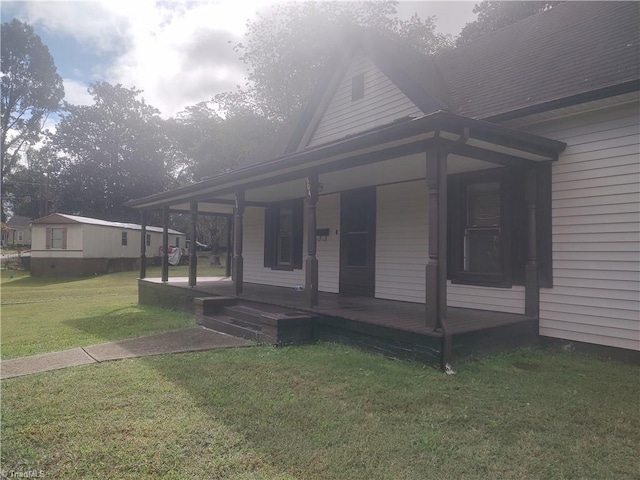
[(31, 90), (111, 152), (31, 187), (494, 15), (206, 144), (286, 50)]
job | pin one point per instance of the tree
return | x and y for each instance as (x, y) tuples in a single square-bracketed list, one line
[(286, 50), (111, 152), (205, 144), (494, 15), (31, 90), (30, 189)]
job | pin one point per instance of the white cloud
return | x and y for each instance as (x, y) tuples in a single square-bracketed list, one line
[(76, 92), (181, 54), (176, 51), (94, 24)]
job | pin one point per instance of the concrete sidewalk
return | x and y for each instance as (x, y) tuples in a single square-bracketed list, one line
[(177, 341)]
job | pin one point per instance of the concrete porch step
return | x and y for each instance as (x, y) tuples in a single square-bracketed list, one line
[(243, 312), (232, 326)]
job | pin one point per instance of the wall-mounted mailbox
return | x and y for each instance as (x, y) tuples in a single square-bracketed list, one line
[(322, 234)]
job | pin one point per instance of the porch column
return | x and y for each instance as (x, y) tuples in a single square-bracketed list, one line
[(311, 263), (165, 244), (227, 265), (532, 284), (193, 257), (436, 269), (238, 261), (143, 244)]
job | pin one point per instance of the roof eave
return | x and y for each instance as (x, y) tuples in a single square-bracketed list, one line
[(480, 131)]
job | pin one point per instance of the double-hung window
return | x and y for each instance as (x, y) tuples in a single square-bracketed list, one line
[(283, 236), (480, 240), (56, 238)]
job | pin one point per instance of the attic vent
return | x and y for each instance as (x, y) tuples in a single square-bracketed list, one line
[(357, 87)]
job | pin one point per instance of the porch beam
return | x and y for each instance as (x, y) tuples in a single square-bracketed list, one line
[(311, 263), (193, 257), (436, 268), (491, 156), (238, 261), (532, 281), (143, 244), (165, 244)]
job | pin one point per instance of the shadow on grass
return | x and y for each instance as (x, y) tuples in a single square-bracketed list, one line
[(29, 281), (330, 411), (130, 321)]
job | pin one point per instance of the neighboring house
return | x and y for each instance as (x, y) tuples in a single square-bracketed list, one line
[(68, 245), (500, 177), (18, 231)]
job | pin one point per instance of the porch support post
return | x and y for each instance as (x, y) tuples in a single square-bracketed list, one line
[(227, 265), (436, 269), (238, 261), (143, 244), (193, 258), (532, 283), (165, 244), (311, 263)]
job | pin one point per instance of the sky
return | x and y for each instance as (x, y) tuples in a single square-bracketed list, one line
[(178, 52)]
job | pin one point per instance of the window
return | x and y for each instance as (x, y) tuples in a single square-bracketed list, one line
[(21, 236), (56, 238), (148, 239), (488, 227), (177, 241), (480, 229), (283, 236), (124, 238), (357, 87), (482, 248)]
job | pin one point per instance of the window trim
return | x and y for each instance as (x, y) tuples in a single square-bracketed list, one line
[(271, 235), (458, 207), (49, 238)]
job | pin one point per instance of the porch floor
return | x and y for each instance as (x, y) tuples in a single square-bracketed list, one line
[(396, 315)]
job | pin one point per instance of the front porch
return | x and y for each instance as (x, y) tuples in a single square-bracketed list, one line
[(389, 327)]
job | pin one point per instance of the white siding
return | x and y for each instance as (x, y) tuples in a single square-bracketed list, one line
[(402, 254), (328, 251), (596, 230), (401, 242), (39, 242), (97, 241), (509, 300), (383, 103), (328, 216)]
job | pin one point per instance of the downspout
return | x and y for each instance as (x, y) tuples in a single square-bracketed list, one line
[(447, 337)]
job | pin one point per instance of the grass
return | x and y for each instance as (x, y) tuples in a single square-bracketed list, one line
[(325, 412), (42, 315), (315, 412)]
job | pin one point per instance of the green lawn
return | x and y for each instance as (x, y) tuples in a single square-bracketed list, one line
[(325, 412), (43, 315), (315, 412)]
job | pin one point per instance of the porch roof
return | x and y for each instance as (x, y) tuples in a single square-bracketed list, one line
[(459, 135)]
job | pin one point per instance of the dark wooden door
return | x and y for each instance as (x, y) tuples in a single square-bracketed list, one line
[(358, 242)]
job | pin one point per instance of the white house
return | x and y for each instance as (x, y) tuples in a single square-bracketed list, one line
[(17, 231), (500, 177), (69, 245)]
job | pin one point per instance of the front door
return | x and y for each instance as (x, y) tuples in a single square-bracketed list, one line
[(358, 242)]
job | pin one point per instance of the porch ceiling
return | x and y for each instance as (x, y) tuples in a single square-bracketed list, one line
[(391, 154)]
